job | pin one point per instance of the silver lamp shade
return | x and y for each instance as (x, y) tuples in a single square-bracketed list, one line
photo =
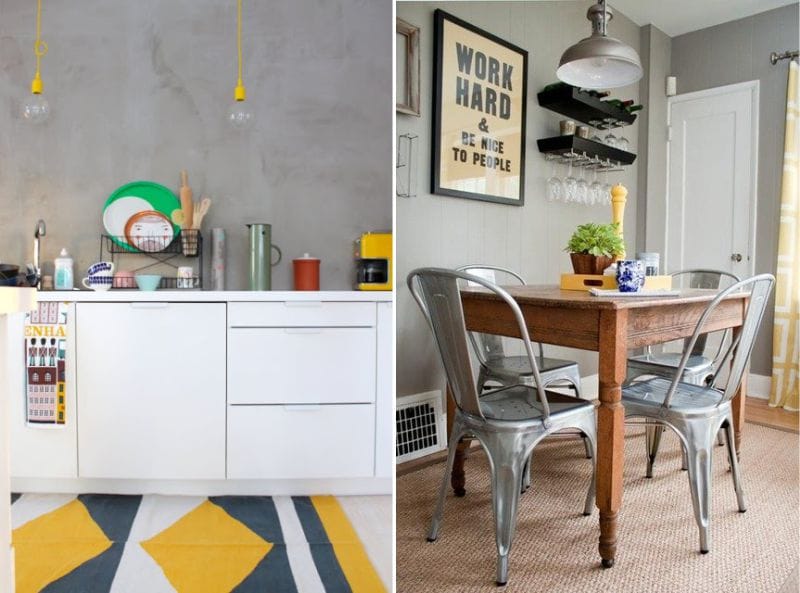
[(599, 61)]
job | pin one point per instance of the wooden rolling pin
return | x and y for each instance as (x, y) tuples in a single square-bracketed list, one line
[(186, 202)]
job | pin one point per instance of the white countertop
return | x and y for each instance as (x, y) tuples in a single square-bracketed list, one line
[(212, 296)]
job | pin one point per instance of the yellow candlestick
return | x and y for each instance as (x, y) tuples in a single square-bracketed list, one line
[(618, 199)]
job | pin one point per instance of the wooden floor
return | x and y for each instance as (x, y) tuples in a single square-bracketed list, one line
[(756, 411)]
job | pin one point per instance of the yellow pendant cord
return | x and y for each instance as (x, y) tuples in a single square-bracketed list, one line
[(239, 93), (39, 49)]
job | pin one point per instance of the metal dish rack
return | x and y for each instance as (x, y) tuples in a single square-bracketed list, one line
[(162, 255)]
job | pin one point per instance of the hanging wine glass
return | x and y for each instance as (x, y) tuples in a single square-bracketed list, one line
[(606, 188), (582, 189), (610, 139), (555, 189), (595, 190), (622, 143), (570, 185)]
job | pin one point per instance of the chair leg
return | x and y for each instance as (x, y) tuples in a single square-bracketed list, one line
[(436, 521), (720, 440), (526, 474), (653, 433), (700, 485), (587, 446), (588, 505), (507, 466), (737, 479)]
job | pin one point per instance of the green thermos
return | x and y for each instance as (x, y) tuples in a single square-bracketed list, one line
[(261, 256)]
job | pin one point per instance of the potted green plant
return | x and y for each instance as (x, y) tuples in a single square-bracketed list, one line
[(592, 247)]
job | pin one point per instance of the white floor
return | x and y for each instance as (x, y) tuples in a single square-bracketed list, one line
[(372, 517)]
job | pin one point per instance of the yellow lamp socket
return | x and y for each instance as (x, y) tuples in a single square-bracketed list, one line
[(239, 94), (37, 86)]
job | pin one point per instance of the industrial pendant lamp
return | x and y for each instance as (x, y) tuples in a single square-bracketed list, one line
[(35, 108), (599, 61), (239, 115)]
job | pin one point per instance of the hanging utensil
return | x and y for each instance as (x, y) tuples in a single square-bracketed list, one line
[(200, 210), (186, 201)]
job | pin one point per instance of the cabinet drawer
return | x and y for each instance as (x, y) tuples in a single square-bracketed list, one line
[(301, 313), (285, 442), (301, 365)]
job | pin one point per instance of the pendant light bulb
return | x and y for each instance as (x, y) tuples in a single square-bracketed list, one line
[(35, 108), (239, 114)]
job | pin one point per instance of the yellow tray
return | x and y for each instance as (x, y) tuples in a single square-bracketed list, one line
[(587, 281)]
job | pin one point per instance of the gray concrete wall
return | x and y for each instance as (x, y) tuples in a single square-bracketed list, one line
[(735, 52), (139, 90), (444, 231)]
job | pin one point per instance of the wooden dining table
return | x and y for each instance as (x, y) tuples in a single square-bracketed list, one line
[(610, 326)]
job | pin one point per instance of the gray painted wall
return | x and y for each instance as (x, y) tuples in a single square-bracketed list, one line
[(444, 231), (656, 54), (735, 52), (139, 90)]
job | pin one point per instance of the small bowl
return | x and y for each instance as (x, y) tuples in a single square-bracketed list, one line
[(148, 281)]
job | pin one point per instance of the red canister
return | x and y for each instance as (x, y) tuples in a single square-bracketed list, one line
[(306, 272)]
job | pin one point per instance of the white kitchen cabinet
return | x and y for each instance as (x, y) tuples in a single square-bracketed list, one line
[(44, 451), (296, 365), (151, 390), (384, 409), (301, 441)]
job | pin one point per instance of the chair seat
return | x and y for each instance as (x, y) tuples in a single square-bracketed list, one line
[(687, 398), (519, 365), (671, 360), (521, 402)]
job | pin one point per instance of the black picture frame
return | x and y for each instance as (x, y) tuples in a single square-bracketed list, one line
[(444, 181)]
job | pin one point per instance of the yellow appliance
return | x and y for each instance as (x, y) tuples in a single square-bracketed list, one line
[(374, 261)]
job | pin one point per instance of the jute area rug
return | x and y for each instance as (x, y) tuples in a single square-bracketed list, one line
[(555, 547)]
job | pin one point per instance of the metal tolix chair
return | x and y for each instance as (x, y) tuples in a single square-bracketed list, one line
[(700, 366), (697, 412), (508, 422)]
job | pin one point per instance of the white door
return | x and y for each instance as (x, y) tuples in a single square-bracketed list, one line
[(151, 390), (711, 192)]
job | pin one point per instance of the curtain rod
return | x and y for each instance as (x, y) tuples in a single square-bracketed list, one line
[(774, 57)]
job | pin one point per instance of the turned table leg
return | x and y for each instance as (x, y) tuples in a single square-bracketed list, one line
[(610, 429)]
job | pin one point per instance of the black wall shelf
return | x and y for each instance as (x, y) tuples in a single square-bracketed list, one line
[(575, 104), (571, 145)]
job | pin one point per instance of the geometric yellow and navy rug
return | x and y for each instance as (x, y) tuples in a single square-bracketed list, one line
[(98, 543)]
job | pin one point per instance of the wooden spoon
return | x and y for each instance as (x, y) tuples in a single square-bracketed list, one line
[(200, 210)]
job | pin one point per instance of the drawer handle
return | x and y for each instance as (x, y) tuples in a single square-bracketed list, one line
[(306, 304), (303, 330), (139, 305), (303, 408)]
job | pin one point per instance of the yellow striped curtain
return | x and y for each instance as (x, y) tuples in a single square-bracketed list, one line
[(785, 390)]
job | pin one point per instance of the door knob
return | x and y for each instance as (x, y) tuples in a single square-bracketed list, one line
[(737, 257)]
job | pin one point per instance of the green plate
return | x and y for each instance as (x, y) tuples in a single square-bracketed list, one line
[(158, 197)]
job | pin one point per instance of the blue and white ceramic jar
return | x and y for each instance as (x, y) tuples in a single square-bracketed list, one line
[(630, 275)]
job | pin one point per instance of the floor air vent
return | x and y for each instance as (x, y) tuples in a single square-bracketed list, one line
[(420, 426)]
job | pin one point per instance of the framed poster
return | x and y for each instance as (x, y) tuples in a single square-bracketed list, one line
[(479, 105)]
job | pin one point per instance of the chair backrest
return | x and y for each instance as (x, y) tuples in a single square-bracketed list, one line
[(759, 286), (489, 346), (438, 294), (705, 278)]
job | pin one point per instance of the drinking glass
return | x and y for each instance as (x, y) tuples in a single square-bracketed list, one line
[(582, 189), (611, 139), (622, 143), (595, 190), (570, 185), (555, 189)]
